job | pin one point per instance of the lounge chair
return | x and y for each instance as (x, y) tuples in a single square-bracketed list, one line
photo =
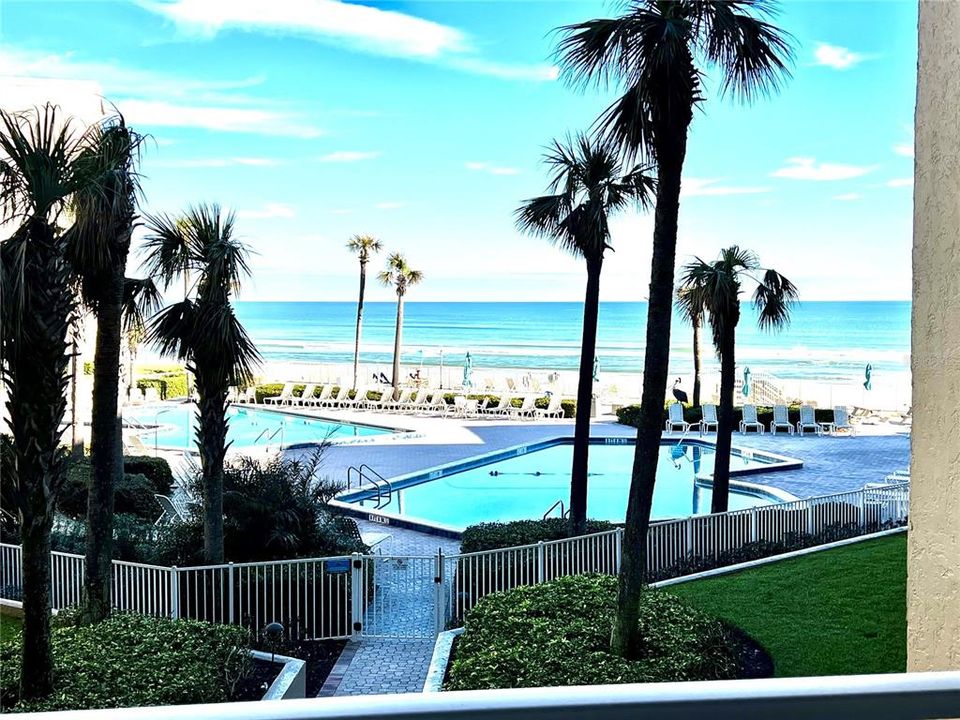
[(781, 419), (386, 397), (750, 420), (419, 403), (841, 421), (553, 409), (324, 395), (675, 417), (334, 401), (438, 403), (526, 409), (171, 512), (808, 420), (306, 396), (151, 395), (402, 401), (709, 414), (358, 400), (502, 407), (283, 396)]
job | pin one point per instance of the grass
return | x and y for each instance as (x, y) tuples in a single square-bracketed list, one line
[(838, 612), (9, 627)]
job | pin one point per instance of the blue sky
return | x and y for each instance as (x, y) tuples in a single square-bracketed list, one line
[(423, 123)]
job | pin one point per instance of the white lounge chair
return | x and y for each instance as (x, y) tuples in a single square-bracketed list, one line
[(386, 397), (402, 401), (675, 417), (420, 403), (438, 404), (334, 401), (808, 420), (279, 399), (171, 513), (750, 420), (306, 396), (709, 417), (841, 421), (322, 397), (502, 407), (781, 419), (358, 399), (553, 409), (526, 409)]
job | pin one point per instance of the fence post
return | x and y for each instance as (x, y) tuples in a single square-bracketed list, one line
[(174, 594), (754, 531), (230, 592), (688, 537), (811, 528), (541, 557), (618, 550), (356, 596), (439, 609), (863, 509)]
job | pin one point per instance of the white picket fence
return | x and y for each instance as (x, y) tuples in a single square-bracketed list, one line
[(407, 596)]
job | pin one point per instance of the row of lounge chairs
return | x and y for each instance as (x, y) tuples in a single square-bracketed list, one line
[(781, 420)]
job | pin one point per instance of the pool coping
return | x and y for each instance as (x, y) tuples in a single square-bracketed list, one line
[(784, 463)]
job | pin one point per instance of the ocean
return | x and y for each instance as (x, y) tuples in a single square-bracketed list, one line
[(826, 341)]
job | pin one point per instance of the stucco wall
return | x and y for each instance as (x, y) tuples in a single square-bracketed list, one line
[(933, 589)]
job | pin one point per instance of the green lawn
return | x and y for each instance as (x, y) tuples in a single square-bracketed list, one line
[(837, 612), (9, 626)]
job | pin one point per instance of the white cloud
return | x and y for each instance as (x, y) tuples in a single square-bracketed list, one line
[(905, 149), (491, 169), (390, 205), (836, 57), (347, 156), (269, 210), (801, 168), (160, 113), (900, 182), (848, 197), (360, 27), (693, 187), (342, 211), (214, 162)]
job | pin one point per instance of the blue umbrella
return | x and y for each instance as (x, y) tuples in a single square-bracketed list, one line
[(746, 382), (467, 371), (867, 372)]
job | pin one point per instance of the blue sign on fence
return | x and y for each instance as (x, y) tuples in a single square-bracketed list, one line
[(335, 567)]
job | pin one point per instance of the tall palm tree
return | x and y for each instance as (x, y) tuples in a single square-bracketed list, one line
[(364, 246), (716, 287), (657, 52), (38, 173), (105, 215), (203, 331), (693, 314), (588, 184), (399, 275)]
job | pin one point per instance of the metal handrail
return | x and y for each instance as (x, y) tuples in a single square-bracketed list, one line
[(563, 512), (378, 481)]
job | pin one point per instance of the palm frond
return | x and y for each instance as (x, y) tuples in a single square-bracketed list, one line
[(168, 248), (173, 330), (141, 299), (364, 246), (773, 299)]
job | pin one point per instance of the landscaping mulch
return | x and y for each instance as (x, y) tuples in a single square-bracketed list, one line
[(320, 656)]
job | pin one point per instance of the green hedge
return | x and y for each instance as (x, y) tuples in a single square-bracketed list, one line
[(134, 495), (496, 535), (558, 633), (569, 407), (630, 414), (87, 367), (134, 661), (156, 469), (168, 385)]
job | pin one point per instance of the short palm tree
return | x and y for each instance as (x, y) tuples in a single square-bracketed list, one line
[(400, 276), (39, 171), (715, 287), (588, 185), (657, 52), (203, 331), (693, 314), (104, 218), (364, 246)]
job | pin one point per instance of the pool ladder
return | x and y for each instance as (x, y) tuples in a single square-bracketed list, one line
[(564, 513), (366, 473)]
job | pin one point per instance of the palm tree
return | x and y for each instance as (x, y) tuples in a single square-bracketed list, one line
[(38, 173), (364, 246), (693, 314), (657, 52), (587, 184), (715, 287), (105, 215), (400, 276), (203, 331)]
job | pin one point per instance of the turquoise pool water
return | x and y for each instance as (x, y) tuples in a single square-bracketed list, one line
[(249, 427), (526, 485)]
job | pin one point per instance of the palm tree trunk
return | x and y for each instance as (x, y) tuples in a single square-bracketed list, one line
[(356, 345), (721, 461), (396, 342), (212, 443), (697, 360), (633, 565), (581, 434), (106, 452), (36, 676), (76, 439)]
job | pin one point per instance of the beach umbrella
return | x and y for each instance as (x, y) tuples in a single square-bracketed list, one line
[(467, 371), (867, 372), (746, 382), (596, 369)]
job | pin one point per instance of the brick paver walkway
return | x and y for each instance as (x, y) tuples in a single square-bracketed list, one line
[(383, 666)]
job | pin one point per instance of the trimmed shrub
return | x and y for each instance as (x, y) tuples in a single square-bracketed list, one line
[(558, 633), (156, 469), (496, 535), (134, 538), (134, 661), (143, 478), (167, 385), (630, 414)]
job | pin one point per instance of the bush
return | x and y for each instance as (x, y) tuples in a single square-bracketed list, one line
[(156, 469), (134, 661), (134, 538), (87, 367), (496, 535), (558, 633), (630, 414), (134, 494), (168, 385)]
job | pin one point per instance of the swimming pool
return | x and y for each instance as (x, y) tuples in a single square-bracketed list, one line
[(524, 482), (172, 426)]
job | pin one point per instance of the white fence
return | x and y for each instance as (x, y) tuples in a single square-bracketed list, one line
[(407, 596)]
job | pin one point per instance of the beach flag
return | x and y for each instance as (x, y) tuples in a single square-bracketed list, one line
[(867, 372), (468, 371), (746, 382)]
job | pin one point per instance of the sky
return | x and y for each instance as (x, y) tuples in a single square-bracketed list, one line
[(424, 124)]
